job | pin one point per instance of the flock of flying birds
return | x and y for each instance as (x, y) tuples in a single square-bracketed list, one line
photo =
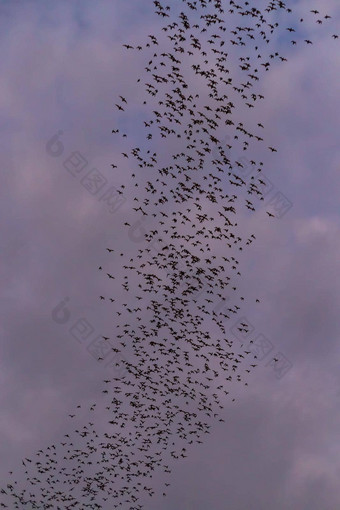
[(202, 70)]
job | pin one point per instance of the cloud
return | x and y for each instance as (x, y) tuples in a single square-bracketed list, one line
[(62, 68)]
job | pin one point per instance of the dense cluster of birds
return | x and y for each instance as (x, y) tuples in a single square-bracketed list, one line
[(202, 72)]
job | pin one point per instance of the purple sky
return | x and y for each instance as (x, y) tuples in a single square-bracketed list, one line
[(62, 68)]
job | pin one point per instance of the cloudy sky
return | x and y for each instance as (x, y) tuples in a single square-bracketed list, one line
[(62, 67)]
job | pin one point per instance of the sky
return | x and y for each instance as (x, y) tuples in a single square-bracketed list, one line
[(61, 71)]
